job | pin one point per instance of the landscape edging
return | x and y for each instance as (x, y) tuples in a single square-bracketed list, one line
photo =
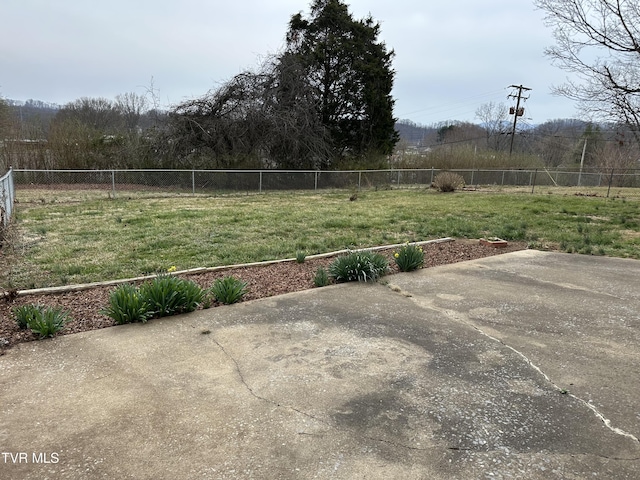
[(87, 286)]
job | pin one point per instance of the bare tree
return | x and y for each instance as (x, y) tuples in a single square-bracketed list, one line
[(131, 106), (98, 114), (5, 129), (493, 118), (554, 141), (617, 155), (97, 132), (599, 42), (5, 119), (265, 118)]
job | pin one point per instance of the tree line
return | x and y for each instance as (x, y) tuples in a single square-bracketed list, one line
[(563, 143), (324, 102), (127, 132)]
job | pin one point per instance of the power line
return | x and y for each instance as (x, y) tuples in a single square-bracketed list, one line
[(463, 102)]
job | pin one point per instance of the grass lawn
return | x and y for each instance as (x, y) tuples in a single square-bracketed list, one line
[(92, 239)]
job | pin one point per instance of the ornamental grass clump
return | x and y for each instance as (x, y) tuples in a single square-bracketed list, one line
[(45, 321), (301, 255), (126, 305), (50, 322), (169, 295), (228, 290), (359, 266), (163, 296), (321, 278), (409, 258), (26, 314)]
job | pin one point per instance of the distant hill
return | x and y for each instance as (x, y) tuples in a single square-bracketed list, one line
[(33, 106), (412, 132), (33, 116)]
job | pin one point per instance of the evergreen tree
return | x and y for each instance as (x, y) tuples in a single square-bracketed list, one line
[(350, 73)]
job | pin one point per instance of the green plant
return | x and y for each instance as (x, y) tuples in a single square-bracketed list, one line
[(359, 266), (126, 305), (448, 182), (228, 290), (167, 295), (191, 295), (321, 278), (300, 256), (409, 257), (47, 321), (26, 314)]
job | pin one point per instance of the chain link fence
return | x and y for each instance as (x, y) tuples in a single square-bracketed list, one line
[(7, 196), (124, 182)]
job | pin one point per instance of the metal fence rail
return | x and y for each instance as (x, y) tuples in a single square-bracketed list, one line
[(7, 196), (217, 181)]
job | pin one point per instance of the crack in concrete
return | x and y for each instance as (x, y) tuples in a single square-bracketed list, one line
[(450, 314), (259, 397), (596, 412), (457, 316), (308, 415), (617, 459)]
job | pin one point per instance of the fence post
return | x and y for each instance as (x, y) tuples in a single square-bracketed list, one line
[(359, 178), (260, 186), (315, 186), (193, 182), (12, 190), (535, 175), (502, 184), (113, 182), (431, 182), (7, 198), (610, 182), (472, 172)]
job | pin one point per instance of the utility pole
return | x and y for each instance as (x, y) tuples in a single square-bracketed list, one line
[(517, 112), (584, 150)]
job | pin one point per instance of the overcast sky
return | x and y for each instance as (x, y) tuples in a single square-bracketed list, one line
[(451, 56)]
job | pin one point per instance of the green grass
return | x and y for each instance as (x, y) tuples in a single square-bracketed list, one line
[(102, 239)]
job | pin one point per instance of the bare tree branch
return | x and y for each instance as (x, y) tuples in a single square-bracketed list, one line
[(599, 42)]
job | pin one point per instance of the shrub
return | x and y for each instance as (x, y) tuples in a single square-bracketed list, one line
[(126, 305), (168, 295), (448, 182), (409, 258), (358, 266), (45, 321), (301, 256), (228, 290), (191, 295), (26, 314), (321, 278)]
